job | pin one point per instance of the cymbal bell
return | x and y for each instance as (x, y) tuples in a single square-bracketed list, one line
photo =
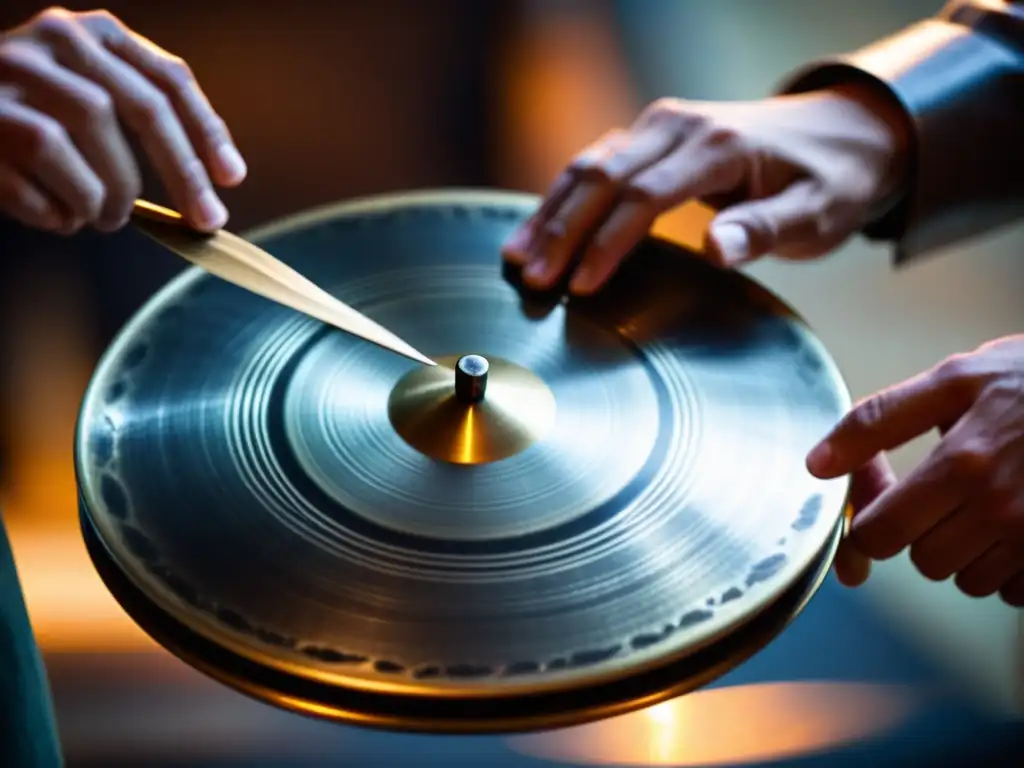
[(471, 409)]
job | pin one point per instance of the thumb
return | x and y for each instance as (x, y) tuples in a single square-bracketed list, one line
[(791, 221)]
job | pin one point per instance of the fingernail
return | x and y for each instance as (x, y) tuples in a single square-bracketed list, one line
[(517, 245), (819, 460), (733, 243), (231, 162), (536, 270), (583, 280), (209, 211)]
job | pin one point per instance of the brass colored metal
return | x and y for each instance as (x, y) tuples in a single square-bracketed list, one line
[(517, 410), (623, 515), (231, 258)]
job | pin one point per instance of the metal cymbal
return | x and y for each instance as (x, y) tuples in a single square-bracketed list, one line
[(587, 505)]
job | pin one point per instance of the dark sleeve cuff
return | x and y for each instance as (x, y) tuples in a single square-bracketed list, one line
[(960, 80)]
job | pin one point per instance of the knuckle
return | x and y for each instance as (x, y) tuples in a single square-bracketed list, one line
[(654, 184), (970, 461), (592, 163), (718, 136), (42, 137), (661, 108), (673, 115), (955, 371), (56, 22), (664, 109), (866, 416), (94, 105), (178, 72), (101, 17), (148, 109)]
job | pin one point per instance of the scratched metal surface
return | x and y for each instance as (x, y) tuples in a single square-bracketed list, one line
[(238, 462)]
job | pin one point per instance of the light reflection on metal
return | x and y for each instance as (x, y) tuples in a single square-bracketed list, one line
[(741, 725)]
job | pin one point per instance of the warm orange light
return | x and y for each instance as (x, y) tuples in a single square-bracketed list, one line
[(566, 84), (751, 724), (70, 608)]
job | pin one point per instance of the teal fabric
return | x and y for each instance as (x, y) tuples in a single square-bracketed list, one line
[(28, 730)]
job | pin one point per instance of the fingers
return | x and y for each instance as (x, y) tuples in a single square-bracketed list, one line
[(906, 510), (710, 163), (869, 482), (993, 571), (580, 200), (954, 543), (852, 567), (616, 189), (148, 112), (23, 200), (1012, 592), (44, 153), (886, 421), (136, 79), (519, 248), (87, 114), (795, 221), (207, 131)]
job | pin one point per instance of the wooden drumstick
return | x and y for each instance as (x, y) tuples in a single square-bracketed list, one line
[(241, 263)]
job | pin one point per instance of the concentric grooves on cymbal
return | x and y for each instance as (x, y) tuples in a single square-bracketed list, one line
[(272, 484)]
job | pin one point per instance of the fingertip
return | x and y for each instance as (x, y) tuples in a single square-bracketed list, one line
[(515, 249), (821, 461), (852, 567), (731, 243), (585, 281), (540, 274), (230, 167), (207, 213), (591, 275)]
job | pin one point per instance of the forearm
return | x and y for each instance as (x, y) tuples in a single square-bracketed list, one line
[(958, 80)]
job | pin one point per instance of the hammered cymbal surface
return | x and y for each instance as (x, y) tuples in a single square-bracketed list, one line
[(267, 482)]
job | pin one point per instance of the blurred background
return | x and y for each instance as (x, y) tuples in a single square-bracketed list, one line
[(333, 100)]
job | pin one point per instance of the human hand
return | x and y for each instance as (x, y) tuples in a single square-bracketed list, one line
[(793, 175), (961, 511), (67, 83), (852, 566)]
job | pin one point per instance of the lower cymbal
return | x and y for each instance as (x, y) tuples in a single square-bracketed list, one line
[(606, 489)]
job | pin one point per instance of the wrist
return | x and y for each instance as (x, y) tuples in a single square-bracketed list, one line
[(875, 113)]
